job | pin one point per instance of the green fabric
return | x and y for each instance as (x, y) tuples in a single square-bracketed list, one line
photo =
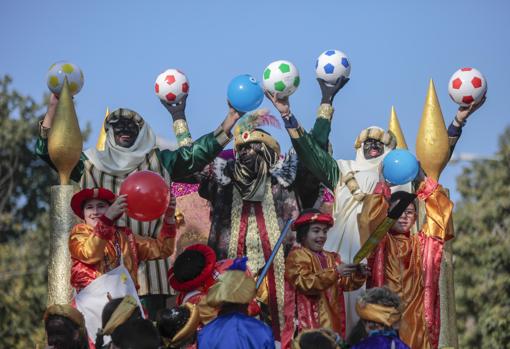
[(179, 163), (320, 132), (312, 154), (41, 150), (185, 161)]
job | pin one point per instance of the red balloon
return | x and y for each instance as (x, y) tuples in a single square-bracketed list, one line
[(148, 195)]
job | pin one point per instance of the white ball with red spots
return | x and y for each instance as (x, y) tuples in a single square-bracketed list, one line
[(467, 85), (171, 86)]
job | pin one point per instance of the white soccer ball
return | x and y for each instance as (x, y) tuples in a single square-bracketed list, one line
[(60, 70), (467, 85), (281, 78), (331, 65), (171, 86)]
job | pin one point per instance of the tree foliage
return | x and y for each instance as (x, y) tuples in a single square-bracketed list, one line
[(25, 183), (482, 251)]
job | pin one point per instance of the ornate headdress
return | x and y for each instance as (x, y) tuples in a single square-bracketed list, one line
[(233, 286), (373, 132), (247, 130)]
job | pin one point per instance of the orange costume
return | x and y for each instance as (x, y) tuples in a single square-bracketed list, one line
[(314, 292), (97, 250), (410, 266)]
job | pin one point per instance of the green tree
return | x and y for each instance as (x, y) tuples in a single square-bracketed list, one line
[(25, 183), (482, 251)]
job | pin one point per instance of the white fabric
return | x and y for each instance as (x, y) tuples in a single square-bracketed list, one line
[(116, 160), (91, 300), (343, 237)]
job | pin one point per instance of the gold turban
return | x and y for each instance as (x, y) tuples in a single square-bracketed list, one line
[(67, 311), (378, 313), (233, 286)]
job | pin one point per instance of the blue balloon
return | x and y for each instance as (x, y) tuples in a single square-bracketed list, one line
[(245, 93), (400, 167)]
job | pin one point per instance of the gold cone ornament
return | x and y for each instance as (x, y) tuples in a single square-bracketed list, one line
[(432, 145), (101, 140), (394, 126), (65, 143)]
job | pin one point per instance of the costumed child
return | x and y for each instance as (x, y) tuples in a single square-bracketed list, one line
[(97, 245), (316, 279), (177, 326), (65, 327), (105, 256), (194, 271), (318, 338), (379, 310), (410, 264), (233, 328)]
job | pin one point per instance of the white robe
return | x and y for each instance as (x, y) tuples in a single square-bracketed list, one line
[(343, 237)]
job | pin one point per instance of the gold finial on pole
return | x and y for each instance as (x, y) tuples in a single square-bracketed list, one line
[(394, 126), (101, 140), (432, 145), (64, 140)]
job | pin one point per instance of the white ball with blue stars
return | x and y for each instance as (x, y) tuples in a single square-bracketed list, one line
[(331, 65)]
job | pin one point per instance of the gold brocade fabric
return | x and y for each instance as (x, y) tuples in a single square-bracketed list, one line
[(374, 211), (254, 252), (378, 313), (404, 265), (318, 290), (232, 287), (402, 272), (87, 247)]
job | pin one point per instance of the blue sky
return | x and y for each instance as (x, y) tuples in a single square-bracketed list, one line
[(395, 47)]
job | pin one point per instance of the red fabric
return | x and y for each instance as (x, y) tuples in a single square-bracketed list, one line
[(134, 251), (266, 249), (82, 274), (91, 193), (168, 231), (427, 188), (243, 228), (205, 276), (383, 189), (376, 264), (304, 309), (312, 217), (104, 231), (432, 253)]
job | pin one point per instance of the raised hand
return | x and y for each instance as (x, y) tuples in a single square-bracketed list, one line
[(50, 113), (116, 209), (231, 118), (464, 112), (280, 103), (177, 110), (329, 91)]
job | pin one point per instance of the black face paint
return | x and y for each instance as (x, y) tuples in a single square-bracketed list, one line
[(125, 132), (247, 154), (372, 148)]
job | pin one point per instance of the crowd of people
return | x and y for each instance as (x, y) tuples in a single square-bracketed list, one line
[(248, 287)]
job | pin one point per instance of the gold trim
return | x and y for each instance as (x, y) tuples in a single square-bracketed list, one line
[(221, 136), (257, 136), (325, 111)]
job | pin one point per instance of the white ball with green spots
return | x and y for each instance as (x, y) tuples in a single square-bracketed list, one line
[(60, 70), (281, 78)]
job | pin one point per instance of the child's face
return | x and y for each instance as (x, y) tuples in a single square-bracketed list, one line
[(93, 209), (316, 237), (406, 220)]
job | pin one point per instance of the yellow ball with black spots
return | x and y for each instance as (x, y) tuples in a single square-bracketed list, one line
[(60, 70)]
